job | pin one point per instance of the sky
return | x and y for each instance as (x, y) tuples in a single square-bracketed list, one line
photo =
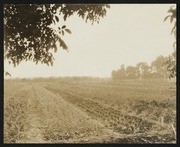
[(129, 34)]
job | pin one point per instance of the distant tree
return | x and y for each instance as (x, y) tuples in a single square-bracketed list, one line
[(120, 73), (114, 74), (27, 31), (144, 70), (171, 61), (131, 72), (158, 67)]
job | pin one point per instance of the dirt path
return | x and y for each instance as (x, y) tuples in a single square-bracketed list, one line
[(34, 134), (33, 129)]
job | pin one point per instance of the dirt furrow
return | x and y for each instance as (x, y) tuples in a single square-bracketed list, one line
[(33, 133)]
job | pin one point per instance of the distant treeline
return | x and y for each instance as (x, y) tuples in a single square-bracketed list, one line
[(157, 70), (58, 79)]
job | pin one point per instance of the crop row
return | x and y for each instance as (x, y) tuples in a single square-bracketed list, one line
[(116, 95), (15, 117), (112, 118)]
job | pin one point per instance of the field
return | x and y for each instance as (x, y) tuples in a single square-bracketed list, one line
[(89, 111)]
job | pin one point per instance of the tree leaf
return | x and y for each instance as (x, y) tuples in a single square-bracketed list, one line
[(57, 19), (173, 29), (55, 48), (62, 32), (64, 26), (51, 62), (59, 28), (108, 6), (68, 31), (171, 10), (167, 17), (62, 44), (30, 56), (53, 21), (7, 74)]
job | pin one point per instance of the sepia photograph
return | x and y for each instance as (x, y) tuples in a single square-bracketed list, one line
[(89, 73)]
